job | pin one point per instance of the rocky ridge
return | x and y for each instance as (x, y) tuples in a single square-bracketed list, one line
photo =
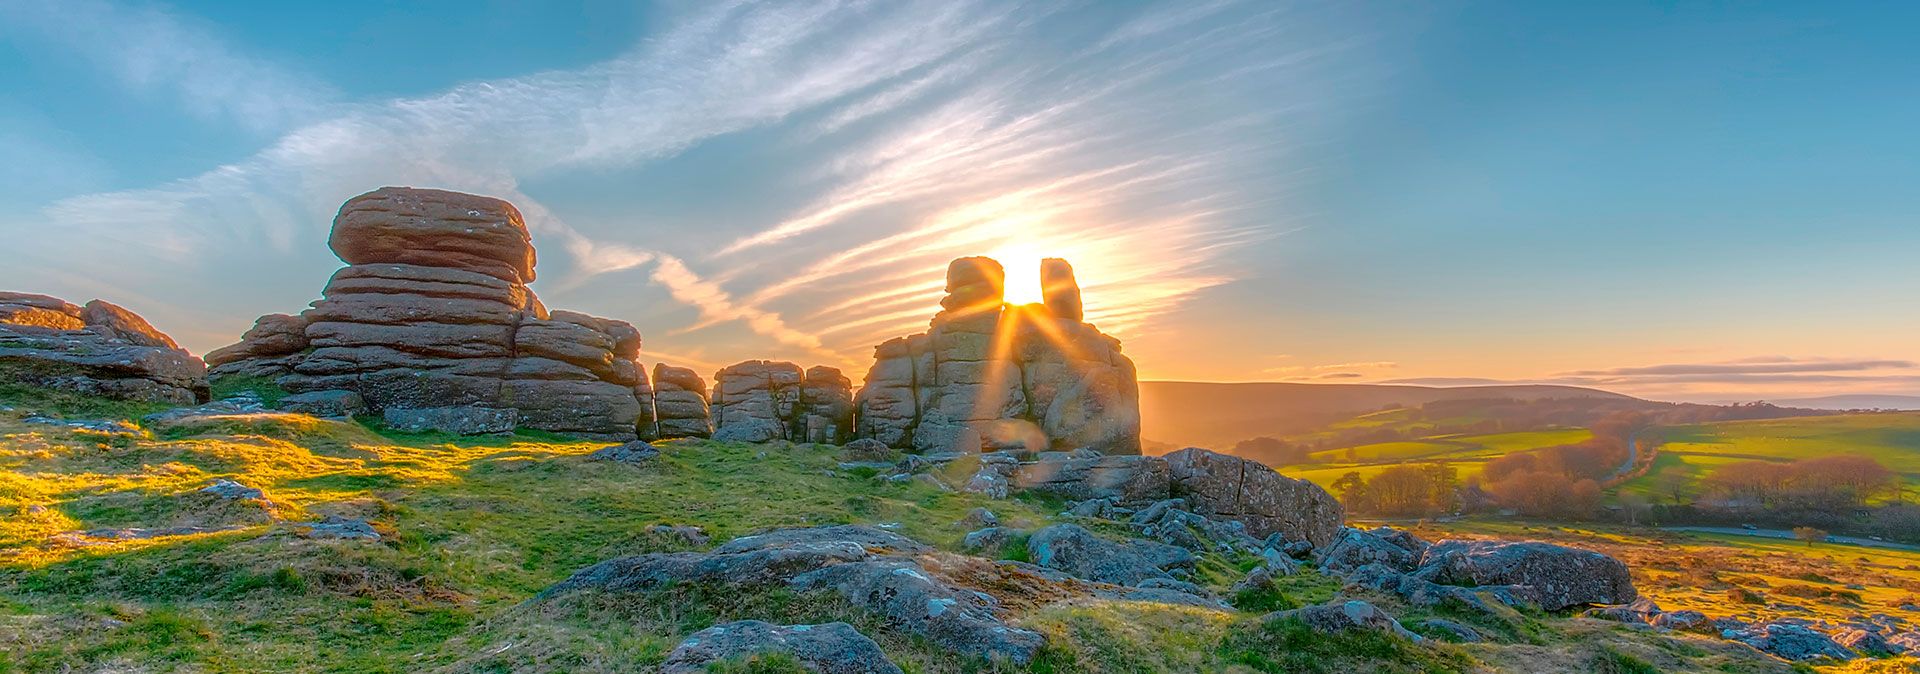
[(96, 349)]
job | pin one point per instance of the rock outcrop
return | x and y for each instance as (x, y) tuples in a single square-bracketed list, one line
[(680, 403), (1222, 486), (987, 374), (433, 313), (759, 401), (870, 569), (96, 349), (1561, 577)]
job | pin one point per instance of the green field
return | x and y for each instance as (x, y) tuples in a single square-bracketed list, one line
[(1466, 453), (1692, 452)]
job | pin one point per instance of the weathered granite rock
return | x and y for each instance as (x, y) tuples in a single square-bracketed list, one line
[(1356, 548), (869, 568), (1342, 616), (1562, 577), (433, 312), (1073, 549), (680, 403), (1792, 642), (228, 489), (100, 349), (336, 527), (1228, 487), (1030, 377), (1863, 641), (758, 401), (434, 228), (1124, 479), (831, 648)]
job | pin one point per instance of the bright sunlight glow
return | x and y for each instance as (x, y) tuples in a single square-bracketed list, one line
[(1022, 263)]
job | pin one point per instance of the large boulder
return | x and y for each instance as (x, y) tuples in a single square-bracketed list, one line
[(1074, 549), (1356, 548), (1129, 480), (100, 349), (1229, 487), (433, 313), (1793, 642), (434, 228), (1561, 577), (992, 376), (832, 648), (870, 569)]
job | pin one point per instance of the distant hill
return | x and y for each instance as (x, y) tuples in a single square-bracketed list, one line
[(1209, 414), (1854, 402)]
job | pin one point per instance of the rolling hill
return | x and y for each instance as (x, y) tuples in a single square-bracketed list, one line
[(1207, 414)]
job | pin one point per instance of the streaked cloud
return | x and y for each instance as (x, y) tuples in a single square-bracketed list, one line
[(920, 132)]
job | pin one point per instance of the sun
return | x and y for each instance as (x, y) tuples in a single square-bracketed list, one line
[(1022, 263)]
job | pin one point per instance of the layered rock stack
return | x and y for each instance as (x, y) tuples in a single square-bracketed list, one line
[(680, 403), (432, 324), (96, 349), (990, 375), (759, 401)]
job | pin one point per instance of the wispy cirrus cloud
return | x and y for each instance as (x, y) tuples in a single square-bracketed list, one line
[(920, 131)]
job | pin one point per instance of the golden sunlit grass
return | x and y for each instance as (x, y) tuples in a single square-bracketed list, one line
[(473, 527)]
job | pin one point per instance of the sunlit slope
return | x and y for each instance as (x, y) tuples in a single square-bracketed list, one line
[(1466, 453), (1693, 452), (1217, 415)]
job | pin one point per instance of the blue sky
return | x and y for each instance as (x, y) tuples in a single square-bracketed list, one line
[(1682, 200)]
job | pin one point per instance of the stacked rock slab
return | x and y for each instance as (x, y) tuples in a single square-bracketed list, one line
[(680, 403), (996, 376), (758, 401), (432, 319), (98, 349)]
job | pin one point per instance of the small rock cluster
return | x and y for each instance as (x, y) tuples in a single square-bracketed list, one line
[(97, 349), (989, 375), (432, 325)]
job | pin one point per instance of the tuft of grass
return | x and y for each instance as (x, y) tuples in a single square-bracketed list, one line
[(1607, 660), (1290, 646)]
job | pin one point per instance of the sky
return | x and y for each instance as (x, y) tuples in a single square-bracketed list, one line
[(1686, 201)]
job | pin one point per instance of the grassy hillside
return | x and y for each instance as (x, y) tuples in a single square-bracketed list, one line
[(472, 528), (1466, 453), (1692, 452), (1218, 415)]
